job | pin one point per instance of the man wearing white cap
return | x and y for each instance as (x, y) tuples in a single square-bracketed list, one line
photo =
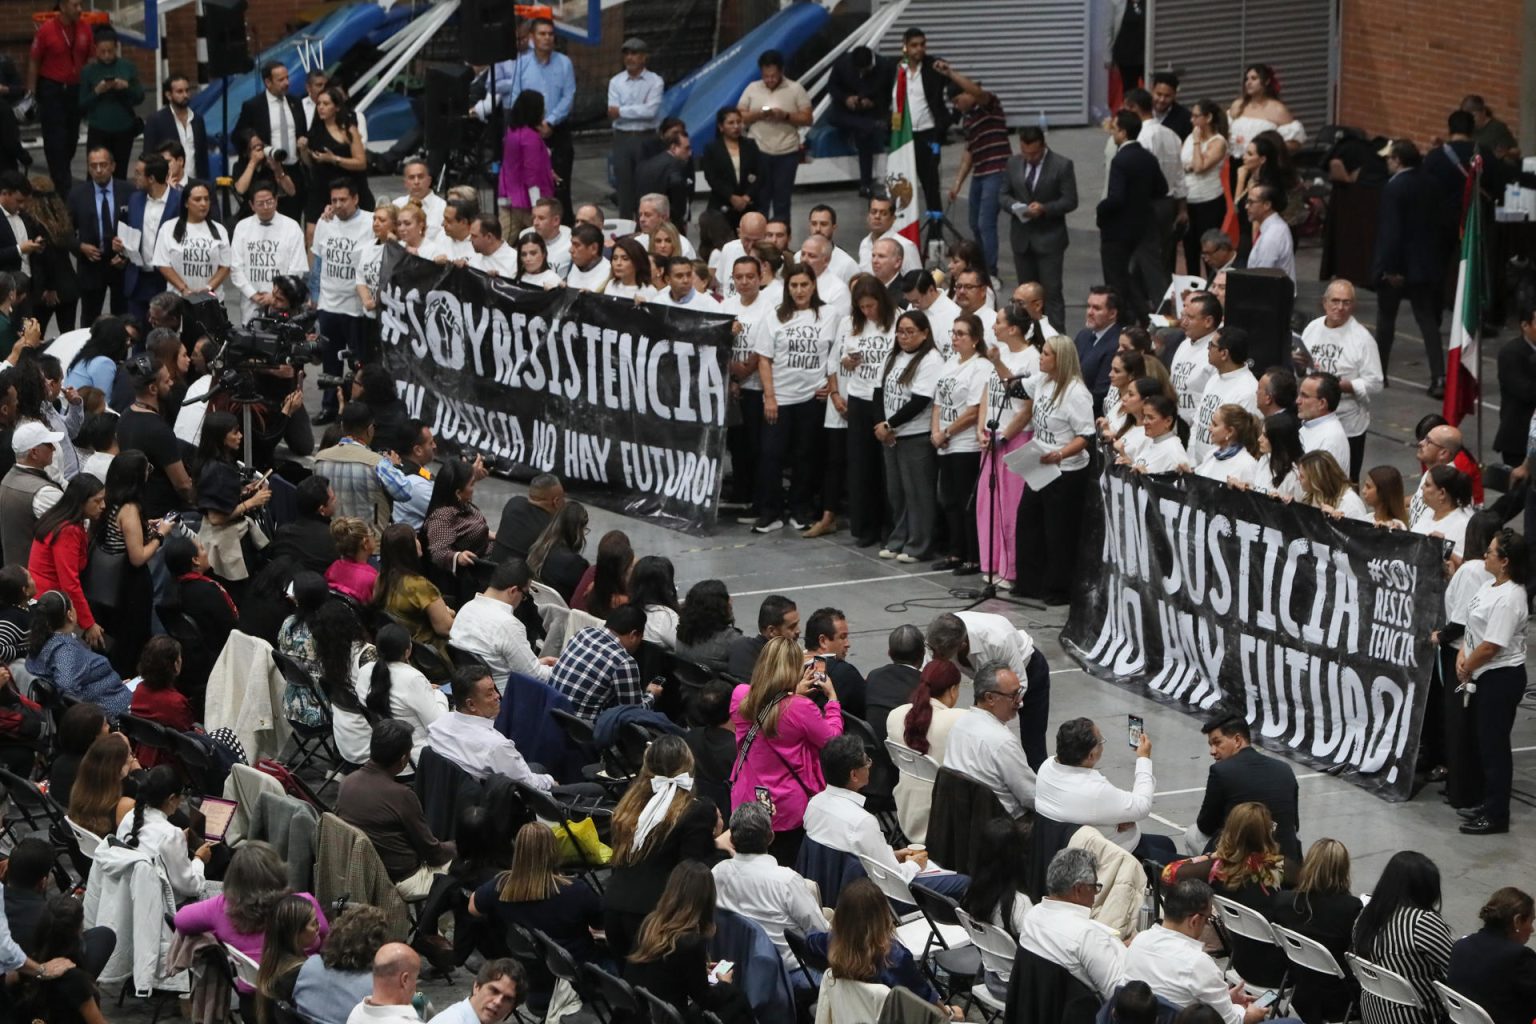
[(26, 491), (634, 104)]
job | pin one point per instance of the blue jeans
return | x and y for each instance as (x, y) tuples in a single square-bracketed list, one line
[(984, 192)]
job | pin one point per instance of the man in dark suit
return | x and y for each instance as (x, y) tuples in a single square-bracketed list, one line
[(307, 540), (523, 519), (1517, 388), (278, 120), (890, 686), (1125, 213), (1097, 342), (148, 209), (176, 121), (1166, 108), (95, 207), (925, 84), (1242, 774), (1408, 263), (860, 88), (670, 173), (1039, 190), (21, 238)]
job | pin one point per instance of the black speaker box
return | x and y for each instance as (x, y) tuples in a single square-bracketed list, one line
[(224, 27), (487, 30), (446, 101), (1260, 302)]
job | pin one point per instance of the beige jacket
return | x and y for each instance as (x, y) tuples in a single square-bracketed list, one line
[(1124, 879)]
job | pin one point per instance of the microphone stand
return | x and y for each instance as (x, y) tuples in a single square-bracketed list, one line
[(989, 591)]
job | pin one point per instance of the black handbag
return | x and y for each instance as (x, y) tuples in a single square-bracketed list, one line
[(104, 577)]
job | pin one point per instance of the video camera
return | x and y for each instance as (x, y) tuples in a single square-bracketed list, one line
[(263, 342)]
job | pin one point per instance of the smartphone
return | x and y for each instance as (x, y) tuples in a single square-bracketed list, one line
[(723, 968), (760, 793), (1134, 728), (1267, 999), (263, 478)]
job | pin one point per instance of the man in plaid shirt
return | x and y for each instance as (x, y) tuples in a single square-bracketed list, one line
[(597, 669)]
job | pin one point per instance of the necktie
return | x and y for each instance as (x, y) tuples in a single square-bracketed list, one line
[(108, 228), (1034, 176), (281, 141)]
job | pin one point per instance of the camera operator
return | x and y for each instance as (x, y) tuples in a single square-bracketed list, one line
[(257, 163)]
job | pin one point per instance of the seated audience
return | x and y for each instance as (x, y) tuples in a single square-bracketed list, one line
[(923, 725), (706, 626), (293, 931), (56, 653), (455, 532), (657, 824), (836, 818), (81, 726), (67, 996), (1171, 958), (754, 885), (996, 895), (776, 617), (351, 574), (1401, 929), (1493, 966), (255, 882), (343, 655), (891, 686), (653, 590), (670, 958), (534, 894), (16, 593), (406, 595), (156, 697), (826, 637), (1070, 788), (597, 668), (304, 704), (468, 737), (862, 944), (334, 980), (555, 558), (1239, 775), (1059, 928), (373, 800), (1322, 907), (307, 540), (202, 598), (981, 746), (28, 877), (396, 969), (22, 725), (713, 742), (97, 802), (525, 518), (605, 586), (487, 626), (149, 829), (392, 688), (499, 989)]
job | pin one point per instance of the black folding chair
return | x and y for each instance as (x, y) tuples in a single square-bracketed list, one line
[(465, 659), (577, 730), (309, 741), (142, 732), (564, 967), (615, 992), (545, 806), (960, 964), (197, 764), (807, 957), (662, 1012)]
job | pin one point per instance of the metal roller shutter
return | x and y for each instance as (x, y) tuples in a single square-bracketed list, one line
[(1033, 55), (1209, 42)]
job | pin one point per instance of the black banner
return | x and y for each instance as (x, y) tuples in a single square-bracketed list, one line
[(1196, 593), (625, 403)]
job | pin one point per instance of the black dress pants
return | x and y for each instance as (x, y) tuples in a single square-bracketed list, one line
[(1049, 525)]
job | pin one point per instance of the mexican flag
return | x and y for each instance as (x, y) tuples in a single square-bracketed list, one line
[(1461, 364), (901, 166)]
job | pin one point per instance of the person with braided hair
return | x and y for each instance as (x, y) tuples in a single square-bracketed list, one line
[(149, 829)]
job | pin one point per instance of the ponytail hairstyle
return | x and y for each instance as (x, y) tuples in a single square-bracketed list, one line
[(393, 644), (938, 677), (157, 786), (50, 615)]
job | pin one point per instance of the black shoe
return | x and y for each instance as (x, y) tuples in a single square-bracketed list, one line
[(967, 569), (946, 564), (1436, 389), (1056, 600), (326, 416), (1439, 773), (1470, 813), (1481, 826)]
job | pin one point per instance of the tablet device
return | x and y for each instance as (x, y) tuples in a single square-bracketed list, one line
[(217, 814)]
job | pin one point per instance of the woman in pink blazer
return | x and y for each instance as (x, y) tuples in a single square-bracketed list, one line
[(526, 173), (787, 729)]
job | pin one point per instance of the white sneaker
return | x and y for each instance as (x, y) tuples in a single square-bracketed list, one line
[(796, 524), (767, 526), (1003, 584), (887, 553), (907, 559)]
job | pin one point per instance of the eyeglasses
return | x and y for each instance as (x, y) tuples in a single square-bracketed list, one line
[(1013, 696)]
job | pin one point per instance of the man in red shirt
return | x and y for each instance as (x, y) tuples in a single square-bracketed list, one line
[(59, 50)]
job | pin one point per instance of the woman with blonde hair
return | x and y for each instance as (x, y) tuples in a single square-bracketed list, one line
[(665, 241), (411, 227), (1234, 454), (780, 731), (1322, 907), (657, 825), (52, 265), (534, 894), (1325, 486), (671, 956), (1060, 408)]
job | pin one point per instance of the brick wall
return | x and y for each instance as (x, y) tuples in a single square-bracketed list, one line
[(1405, 64)]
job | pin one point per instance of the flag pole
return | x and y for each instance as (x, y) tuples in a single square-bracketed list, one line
[(1476, 197)]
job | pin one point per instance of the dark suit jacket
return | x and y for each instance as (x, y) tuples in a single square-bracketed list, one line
[(874, 85), (723, 180), (161, 127), (1178, 121), (10, 249), (1095, 353), (521, 523), (665, 174), (84, 214), (307, 540), (1408, 230), (144, 283), (254, 117), (1487, 967), (934, 90), (1517, 398), (1135, 180), (1249, 775), (1055, 189), (887, 688)]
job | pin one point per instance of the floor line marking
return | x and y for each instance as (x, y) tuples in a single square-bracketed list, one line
[(844, 583)]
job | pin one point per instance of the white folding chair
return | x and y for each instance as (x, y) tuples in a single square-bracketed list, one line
[(912, 929), (87, 840), (1249, 923), (1384, 984), (909, 762), (1181, 283), (1311, 955), (553, 612), (1461, 1009), (997, 954), (244, 967)]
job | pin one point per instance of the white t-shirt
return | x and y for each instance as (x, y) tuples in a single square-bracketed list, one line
[(741, 346), (1162, 454), (545, 278), (1468, 580), (835, 420), (1000, 407), (843, 265), (1349, 353), (1497, 615), (873, 345), (1453, 527), (1326, 434), (1240, 465), (261, 251), (1288, 487), (504, 263), (1056, 423), (197, 257), (1190, 369), (923, 382), (341, 245), (433, 206), (558, 248), (941, 320), (629, 291), (722, 262), (594, 279), (834, 294), (798, 349), (1236, 387), (694, 300), (368, 275), (450, 248), (960, 388), (1133, 441)]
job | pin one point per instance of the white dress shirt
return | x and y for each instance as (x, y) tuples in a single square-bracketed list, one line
[(1273, 248), (941, 320), (843, 265), (984, 749), (917, 100), (1064, 934), (836, 819), (637, 98), (472, 743), (834, 294), (910, 259), (149, 229), (490, 630), (722, 262), (281, 117), (756, 887), (1326, 433), (19, 233), (993, 638), (452, 249), (1164, 143), (1083, 796), (1349, 353), (412, 699), (1177, 968), (159, 838)]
